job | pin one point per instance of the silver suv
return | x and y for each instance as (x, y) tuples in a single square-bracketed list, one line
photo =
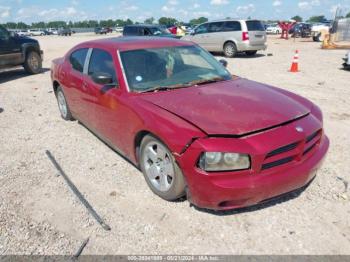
[(230, 36)]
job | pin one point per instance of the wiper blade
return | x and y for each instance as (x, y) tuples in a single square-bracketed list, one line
[(164, 88), (205, 81), (192, 83)]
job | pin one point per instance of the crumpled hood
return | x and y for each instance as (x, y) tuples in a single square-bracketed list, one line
[(234, 107)]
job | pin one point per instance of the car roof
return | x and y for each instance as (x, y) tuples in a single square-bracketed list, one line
[(143, 25), (126, 43), (232, 20)]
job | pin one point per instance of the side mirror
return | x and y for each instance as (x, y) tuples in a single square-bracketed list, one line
[(102, 78), (223, 62), (193, 33)]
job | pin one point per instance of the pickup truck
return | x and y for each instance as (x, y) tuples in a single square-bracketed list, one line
[(16, 50)]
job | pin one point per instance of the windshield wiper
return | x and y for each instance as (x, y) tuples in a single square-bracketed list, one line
[(164, 88), (192, 83), (205, 81)]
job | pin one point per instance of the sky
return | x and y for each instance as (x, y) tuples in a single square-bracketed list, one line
[(74, 10)]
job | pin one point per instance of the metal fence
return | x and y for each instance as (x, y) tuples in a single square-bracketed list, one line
[(342, 29)]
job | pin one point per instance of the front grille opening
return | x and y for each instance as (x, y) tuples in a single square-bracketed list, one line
[(312, 136), (283, 149), (309, 149), (277, 163)]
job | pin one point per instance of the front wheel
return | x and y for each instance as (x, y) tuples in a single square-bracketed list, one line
[(160, 170), (230, 49), (33, 63)]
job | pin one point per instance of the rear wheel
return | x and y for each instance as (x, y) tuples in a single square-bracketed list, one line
[(251, 53), (317, 38), (230, 49), (63, 105), (33, 63), (160, 170)]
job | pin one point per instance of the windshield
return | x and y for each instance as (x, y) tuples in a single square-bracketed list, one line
[(171, 67)]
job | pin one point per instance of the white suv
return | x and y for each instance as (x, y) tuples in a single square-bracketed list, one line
[(35, 32), (230, 36)]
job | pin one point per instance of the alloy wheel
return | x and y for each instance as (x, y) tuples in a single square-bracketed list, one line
[(62, 105), (158, 165)]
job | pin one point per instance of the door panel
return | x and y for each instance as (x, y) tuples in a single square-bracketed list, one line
[(107, 117), (215, 36), (201, 36), (10, 50), (72, 79)]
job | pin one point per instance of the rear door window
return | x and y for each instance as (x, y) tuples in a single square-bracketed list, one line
[(131, 30), (215, 27), (102, 62), (255, 26), (232, 26), (77, 59)]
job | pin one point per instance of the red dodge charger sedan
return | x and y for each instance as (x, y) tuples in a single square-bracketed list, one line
[(176, 112)]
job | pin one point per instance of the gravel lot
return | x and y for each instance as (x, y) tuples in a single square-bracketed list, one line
[(40, 215)]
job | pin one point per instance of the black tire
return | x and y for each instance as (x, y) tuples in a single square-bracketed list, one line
[(251, 53), (230, 49), (317, 38), (66, 115), (33, 63), (178, 184)]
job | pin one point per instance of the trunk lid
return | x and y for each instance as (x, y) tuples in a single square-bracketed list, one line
[(256, 31)]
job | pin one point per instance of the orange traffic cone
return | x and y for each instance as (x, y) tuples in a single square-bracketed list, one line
[(295, 67)]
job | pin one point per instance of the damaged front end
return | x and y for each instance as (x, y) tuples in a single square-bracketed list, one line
[(296, 146)]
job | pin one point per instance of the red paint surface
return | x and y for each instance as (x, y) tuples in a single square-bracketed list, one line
[(211, 116)]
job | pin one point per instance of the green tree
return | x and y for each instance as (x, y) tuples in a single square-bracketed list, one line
[(107, 23), (92, 23), (149, 20), (56, 24), (11, 25), (38, 25), (317, 19), (168, 21), (348, 15), (198, 21), (128, 22), (22, 25), (297, 18)]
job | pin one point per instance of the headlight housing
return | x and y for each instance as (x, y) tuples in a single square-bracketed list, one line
[(220, 161)]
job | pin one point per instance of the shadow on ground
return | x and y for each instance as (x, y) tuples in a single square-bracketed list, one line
[(10, 75)]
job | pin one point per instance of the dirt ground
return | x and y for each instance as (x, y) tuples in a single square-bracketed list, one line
[(40, 215)]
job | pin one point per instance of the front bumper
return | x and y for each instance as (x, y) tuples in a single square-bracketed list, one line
[(230, 190)]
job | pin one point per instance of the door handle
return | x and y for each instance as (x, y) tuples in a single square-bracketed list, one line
[(85, 85)]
